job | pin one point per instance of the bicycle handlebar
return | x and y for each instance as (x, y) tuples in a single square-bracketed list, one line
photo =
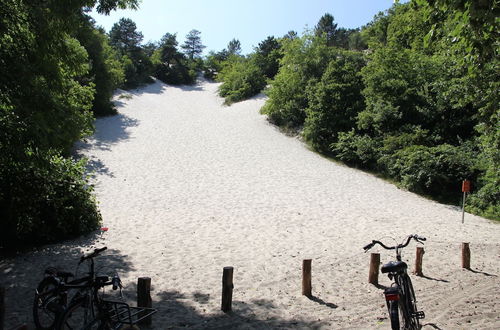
[(93, 254), (419, 239)]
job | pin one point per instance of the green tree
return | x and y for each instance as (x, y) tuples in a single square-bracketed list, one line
[(45, 102), (326, 27), (125, 37), (335, 101), (192, 46), (267, 56), (106, 72), (234, 47), (170, 66), (304, 62)]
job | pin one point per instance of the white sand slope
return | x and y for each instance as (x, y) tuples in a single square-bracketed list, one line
[(188, 186)]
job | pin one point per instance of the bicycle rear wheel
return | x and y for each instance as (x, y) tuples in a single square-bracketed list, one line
[(48, 304), (393, 314), (408, 305)]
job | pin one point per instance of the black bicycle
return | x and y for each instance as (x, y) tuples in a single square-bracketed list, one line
[(77, 304), (400, 297), (57, 289)]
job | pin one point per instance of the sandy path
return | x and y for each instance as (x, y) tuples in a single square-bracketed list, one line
[(187, 186)]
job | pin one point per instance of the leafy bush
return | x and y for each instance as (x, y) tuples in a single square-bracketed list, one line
[(302, 66), (334, 101), (171, 66), (242, 79), (436, 171), (354, 149), (106, 72), (44, 198)]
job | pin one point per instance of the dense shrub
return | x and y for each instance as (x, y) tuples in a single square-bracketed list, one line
[(436, 171), (356, 149), (334, 101), (44, 197), (242, 79), (106, 71), (171, 66), (303, 64)]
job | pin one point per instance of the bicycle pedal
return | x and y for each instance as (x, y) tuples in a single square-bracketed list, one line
[(420, 315)]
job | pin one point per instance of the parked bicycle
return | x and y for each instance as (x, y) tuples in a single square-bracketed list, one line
[(56, 290), (61, 303), (400, 297)]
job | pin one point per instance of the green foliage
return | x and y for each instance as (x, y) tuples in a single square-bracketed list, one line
[(106, 72), (436, 171), (267, 56), (46, 93), (234, 47), (124, 36), (304, 61), (137, 65), (356, 149), (428, 114), (242, 79), (171, 66), (192, 46), (334, 101), (61, 206), (326, 28)]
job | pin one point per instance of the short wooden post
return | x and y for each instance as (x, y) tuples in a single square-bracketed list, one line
[(227, 289), (144, 297), (418, 261), (2, 307), (374, 265), (465, 256), (306, 278)]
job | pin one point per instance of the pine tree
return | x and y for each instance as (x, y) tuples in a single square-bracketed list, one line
[(193, 46)]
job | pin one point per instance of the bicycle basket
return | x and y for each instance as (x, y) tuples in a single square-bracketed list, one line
[(121, 312)]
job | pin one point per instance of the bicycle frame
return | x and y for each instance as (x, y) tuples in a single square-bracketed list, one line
[(400, 296)]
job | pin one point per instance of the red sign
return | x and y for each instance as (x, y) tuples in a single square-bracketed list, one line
[(466, 186)]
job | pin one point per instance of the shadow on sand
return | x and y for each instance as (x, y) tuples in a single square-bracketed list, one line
[(109, 131), (21, 273), (158, 87), (243, 315)]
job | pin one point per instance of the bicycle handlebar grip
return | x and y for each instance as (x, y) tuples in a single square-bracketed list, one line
[(368, 247), (96, 251)]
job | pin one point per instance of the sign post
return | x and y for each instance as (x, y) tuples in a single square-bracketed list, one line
[(465, 190)]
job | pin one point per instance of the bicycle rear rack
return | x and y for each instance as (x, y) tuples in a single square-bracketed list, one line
[(122, 313)]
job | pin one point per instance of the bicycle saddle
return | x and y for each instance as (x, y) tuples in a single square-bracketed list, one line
[(394, 267), (53, 271)]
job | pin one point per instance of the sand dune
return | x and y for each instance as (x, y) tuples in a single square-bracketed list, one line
[(188, 186)]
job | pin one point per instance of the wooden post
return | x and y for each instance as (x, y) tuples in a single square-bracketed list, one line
[(374, 265), (144, 297), (306, 278), (418, 261), (2, 307), (463, 207), (465, 256), (227, 289)]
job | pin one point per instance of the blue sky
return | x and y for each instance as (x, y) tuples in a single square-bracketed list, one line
[(249, 21)]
